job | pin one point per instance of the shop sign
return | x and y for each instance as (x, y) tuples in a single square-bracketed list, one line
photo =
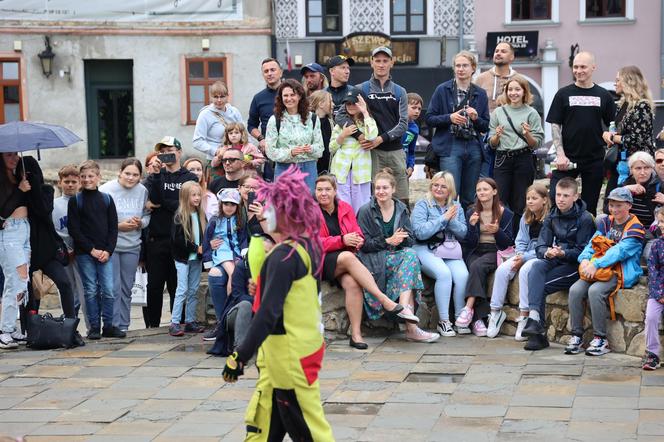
[(359, 47)]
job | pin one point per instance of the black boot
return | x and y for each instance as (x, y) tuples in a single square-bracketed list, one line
[(532, 328), (536, 342)]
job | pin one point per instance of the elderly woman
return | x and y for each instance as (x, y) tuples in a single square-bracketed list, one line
[(634, 123), (387, 254), (293, 134), (439, 224), (212, 120), (342, 238)]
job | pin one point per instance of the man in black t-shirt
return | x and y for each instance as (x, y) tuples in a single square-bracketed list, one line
[(233, 162), (576, 116)]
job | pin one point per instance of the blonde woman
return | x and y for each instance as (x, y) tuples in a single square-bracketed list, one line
[(634, 123), (438, 225), (320, 103)]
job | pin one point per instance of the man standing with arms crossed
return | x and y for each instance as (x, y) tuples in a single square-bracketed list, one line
[(576, 116), (388, 104), (262, 107)]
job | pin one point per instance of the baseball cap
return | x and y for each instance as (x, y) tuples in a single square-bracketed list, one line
[(168, 141), (338, 59), (229, 196), (383, 49), (351, 96), (621, 194), (313, 67)]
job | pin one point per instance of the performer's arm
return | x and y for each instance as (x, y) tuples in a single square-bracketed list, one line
[(277, 276)]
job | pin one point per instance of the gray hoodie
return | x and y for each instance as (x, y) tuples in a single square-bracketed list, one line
[(210, 124), (128, 203)]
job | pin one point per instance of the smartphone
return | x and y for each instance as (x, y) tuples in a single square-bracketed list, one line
[(166, 158), (251, 197)]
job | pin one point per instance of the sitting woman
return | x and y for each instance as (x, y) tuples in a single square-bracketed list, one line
[(387, 254), (490, 227), (644, 184), (439, 224), (342, 237), (537, 207)]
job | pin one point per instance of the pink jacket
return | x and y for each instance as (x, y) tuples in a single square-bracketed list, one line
[(347, 223)]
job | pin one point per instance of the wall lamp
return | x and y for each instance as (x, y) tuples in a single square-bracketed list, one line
[(46, 58)]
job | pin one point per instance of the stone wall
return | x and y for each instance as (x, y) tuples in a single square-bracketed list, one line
[(626, 333)]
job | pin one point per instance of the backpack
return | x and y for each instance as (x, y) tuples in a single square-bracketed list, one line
[(313, 121)]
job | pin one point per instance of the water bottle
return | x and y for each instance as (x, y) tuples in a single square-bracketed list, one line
[(612, 128)]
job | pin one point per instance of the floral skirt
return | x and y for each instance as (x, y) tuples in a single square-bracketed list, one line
[(402, 273)]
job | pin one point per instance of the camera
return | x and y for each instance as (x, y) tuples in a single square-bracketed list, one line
[(465, 131)]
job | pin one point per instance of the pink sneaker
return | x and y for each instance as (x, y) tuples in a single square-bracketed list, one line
[(479, 329), (465, 317), (420, 335)]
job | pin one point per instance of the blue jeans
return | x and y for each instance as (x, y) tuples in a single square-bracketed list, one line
[(464, 163), (217, 285), (308, 167), (14, 252), (445, 272), (97, 281), (189, 278)]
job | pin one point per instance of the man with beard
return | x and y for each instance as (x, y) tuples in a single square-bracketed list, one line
[(313, 78), (493, 81), (339, 69)]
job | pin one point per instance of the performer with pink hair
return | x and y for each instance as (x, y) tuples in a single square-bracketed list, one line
[(287, 328)]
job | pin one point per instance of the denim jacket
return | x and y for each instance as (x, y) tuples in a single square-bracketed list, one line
[(523, 243), (427, 219)]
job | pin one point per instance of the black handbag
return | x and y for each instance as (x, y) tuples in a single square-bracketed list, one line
[(611, 157), (431, 159), (46, 332)]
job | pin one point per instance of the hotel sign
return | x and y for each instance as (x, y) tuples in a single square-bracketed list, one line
[(523, 42), (359, 47)]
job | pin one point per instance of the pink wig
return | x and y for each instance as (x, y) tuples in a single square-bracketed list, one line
[(298, 214)]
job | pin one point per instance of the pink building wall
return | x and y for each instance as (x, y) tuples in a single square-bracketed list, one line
[(614, 44)]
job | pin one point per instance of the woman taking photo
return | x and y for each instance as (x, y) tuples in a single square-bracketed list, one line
[(439, 224), (251, 212), (293, 134), (634, 124), (386, 253), (129, 196), (342, 237), (490, 229), (515, 130), (14, 248)]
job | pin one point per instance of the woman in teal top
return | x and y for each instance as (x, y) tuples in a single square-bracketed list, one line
[(515, 130), (293, 133)]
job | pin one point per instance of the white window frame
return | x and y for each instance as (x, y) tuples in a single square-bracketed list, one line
[(555, 15), (629, 14)]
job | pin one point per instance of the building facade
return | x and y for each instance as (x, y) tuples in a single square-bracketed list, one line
[(121, 80)]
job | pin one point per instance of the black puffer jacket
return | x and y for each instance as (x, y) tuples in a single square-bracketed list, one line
[(571, 231)]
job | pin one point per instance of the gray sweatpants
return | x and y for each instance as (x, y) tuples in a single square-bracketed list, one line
[(124, 272), (597, 294), (238, 319)]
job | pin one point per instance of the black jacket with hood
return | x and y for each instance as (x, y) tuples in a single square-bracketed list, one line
[(571, 231)]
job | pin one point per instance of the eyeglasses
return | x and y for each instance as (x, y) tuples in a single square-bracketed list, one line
[(250, 188), (438, 186), (659, 160), (230, 160)]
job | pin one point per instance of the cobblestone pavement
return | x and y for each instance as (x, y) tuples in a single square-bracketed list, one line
[(151, 386)]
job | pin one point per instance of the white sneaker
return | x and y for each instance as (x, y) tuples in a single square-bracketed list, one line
[(520, 325), (6, 341), (445, 329), (421, 336), (598, 346), (496, 320), (19, 337)]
